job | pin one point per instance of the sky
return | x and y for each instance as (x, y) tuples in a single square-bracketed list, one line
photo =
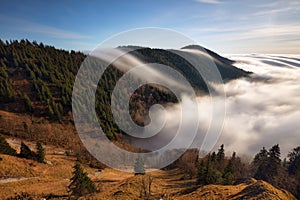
[(247, 26)]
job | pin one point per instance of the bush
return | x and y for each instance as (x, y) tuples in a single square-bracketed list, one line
[(5, 148)]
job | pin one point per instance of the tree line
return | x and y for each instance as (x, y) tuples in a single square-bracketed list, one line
[(25, 151), (266, 165)]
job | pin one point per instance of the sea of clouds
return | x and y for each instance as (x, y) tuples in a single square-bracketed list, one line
[(261, 111), (264, 110)]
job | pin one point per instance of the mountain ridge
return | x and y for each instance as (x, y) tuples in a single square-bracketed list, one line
[(37, 79)]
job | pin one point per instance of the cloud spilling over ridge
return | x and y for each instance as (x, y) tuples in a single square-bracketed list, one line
[(261, 111), (265, 111)]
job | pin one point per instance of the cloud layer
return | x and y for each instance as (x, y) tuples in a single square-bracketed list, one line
[(265, 111), (260, 111)]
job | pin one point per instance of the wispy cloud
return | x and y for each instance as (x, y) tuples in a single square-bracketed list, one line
[(278, 3), (209, 1), (52, 31), (265, 31), (26, 26), (277, 11), (258, 37), (278, 7), (252, 31)]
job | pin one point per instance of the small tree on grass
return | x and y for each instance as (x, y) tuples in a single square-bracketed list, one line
[(81, 184), (40, 156), (5, 148), (139, 166)]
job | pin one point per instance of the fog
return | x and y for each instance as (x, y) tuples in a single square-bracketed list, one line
[(265, 110), (262, 110)]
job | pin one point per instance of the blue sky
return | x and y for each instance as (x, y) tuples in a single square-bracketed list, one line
[(237, 26)]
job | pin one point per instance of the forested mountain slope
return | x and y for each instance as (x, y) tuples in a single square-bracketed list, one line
[(37, 80)]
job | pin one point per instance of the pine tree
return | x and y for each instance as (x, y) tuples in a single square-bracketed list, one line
[(274, 162), (28, 103), (25, 152), (201, 173), (267, 164), (139, 166), (207, 174), (259, 164), (228, 176), (213, 157), (40, 156), (294, 162), (81, 184), (261, 157), (213, 176), (5, 148), (221, 154)]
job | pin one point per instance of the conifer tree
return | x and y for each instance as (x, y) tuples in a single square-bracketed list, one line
[(81, 184), (201, 173), (221, 153), (25, 152), (213, 156), (5, 148), (267, 164), (228, 176), (294, 162), (139, 166), (274, 162), (207, 174), (28, 103), (212, 175), (260, 158), (40, 156)]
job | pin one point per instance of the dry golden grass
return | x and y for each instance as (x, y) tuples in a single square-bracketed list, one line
[(42, 178), (54, 177), (45, 179), (251, 191), (63, 135)]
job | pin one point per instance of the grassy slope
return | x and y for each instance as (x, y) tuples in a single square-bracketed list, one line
[(12, 124), (53, 177)]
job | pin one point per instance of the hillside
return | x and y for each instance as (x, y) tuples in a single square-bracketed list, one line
[(26, 177), (37, 80), (36, 83), (252, 190)]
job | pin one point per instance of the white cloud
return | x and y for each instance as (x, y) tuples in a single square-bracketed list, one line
[(52, 31), (31, 27), (261, 111), (250, 38), (209, 1)]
